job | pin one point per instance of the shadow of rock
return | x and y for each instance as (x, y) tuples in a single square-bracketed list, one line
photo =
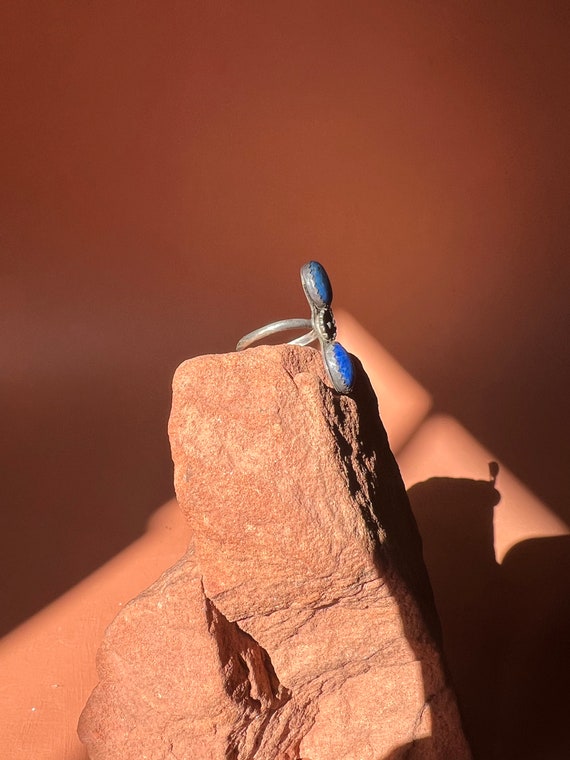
[(455, 518), (506, 628), (534, 685)]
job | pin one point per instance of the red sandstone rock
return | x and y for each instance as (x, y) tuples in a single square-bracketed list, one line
[(300, 624)]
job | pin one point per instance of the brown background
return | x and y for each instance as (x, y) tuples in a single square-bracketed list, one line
[(166, 168)]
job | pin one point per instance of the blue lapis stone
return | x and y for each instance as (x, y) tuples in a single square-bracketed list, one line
[(316, 284), (340, 367)]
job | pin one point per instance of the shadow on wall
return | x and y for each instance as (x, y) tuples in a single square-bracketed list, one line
[(506, 627)]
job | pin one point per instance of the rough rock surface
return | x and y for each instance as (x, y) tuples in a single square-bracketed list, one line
[(300, 623)]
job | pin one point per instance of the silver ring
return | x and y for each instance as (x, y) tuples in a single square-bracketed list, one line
[(321, 326)]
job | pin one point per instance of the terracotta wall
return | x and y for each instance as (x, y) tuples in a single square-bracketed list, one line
[(167, 167)]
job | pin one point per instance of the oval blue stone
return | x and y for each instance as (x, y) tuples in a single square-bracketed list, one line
[(316, 283), (340, 367)]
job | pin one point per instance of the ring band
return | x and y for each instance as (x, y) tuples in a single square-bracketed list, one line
[(281, 326), (321, 326)]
